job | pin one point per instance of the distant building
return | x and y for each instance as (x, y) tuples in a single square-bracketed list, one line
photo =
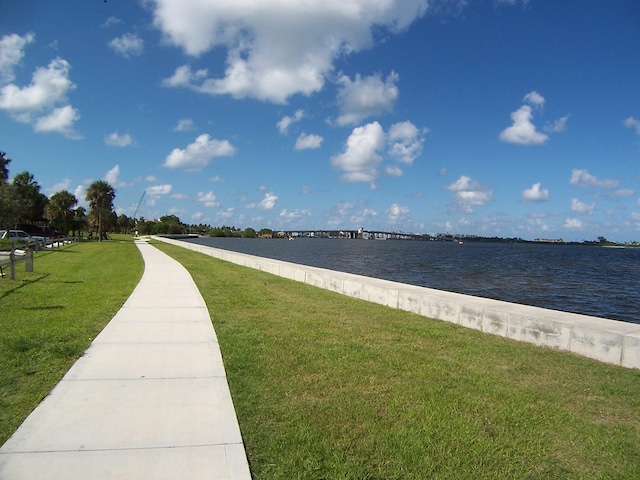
[(549, 240)]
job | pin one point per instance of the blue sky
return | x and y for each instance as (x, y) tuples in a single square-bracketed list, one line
[(488, 117)]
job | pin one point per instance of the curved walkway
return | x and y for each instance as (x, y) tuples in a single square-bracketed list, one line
[(148, 400)]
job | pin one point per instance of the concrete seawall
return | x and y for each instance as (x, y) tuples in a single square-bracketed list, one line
[(608, 341)]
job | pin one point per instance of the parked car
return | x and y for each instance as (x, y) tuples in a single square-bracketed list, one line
[(38, 231), (13, 235)]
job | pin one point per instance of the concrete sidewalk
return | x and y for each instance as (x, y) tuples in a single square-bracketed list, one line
[(148, 400)]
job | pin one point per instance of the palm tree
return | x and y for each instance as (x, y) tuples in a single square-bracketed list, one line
[(60, 209), (30, 201), (100, 196)]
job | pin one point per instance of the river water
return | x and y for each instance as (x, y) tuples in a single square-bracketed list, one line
[(602, 282)]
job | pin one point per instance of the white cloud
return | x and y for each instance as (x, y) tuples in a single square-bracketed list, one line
[(184, 77), (267, 203), (393, 171), (157, 190), (80, 193), (198, 155), (279, 48), (116, 140), (523, 131), (360, 158), (406, 142), (581, 207), (572, 224), (208, 199), (58, 187), (558, 126), (286, 121), (111, 177), (535, 194), (624, 192), (633, 123), (111, 22), (59, 120), (364, 97), (184, 125), (534, 98), (128, 45), (310, 141), (11, 52), (397, 214), (582, 178), (469, 194), (37, 102), (292, 215), (48, 86)]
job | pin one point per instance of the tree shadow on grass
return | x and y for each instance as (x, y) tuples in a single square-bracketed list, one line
[(18, 284)]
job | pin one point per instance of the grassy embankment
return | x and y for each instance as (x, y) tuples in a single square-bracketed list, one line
[(49, 317), (330, 387)]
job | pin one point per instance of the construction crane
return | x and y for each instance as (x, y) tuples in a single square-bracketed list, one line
[(138, 206)]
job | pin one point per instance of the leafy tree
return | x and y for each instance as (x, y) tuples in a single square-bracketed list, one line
[(125, 224), (4, 167), (250, 233), (30, 202), (100, 196), (60, 210), (170, 224)]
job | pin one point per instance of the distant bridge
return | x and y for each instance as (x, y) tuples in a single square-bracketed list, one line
[(366, 235)]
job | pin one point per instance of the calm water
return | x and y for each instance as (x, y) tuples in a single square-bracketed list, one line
[(603, 282)]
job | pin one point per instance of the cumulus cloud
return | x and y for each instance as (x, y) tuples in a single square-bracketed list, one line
[(572, 224), (11, 52), (365, 96), (157, 190), (624, 192), (286, 121), (583, 179), (59, 120), (280, 48), (310, 141), (535, 194), (184, 125), (116, 140), (128, 45), (199, 154), (290, 216), (360, 158), (208, 199), (267, 203), (581, 207), (558, 126), (38, 103), (633, 123), (48, 86), (397, 214), (522, 131), (534, 98), (111, 177), (362, 154), (405, 142), (469, 194)]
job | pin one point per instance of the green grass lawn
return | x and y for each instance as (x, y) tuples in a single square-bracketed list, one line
[(330, 387), (49, 317)]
